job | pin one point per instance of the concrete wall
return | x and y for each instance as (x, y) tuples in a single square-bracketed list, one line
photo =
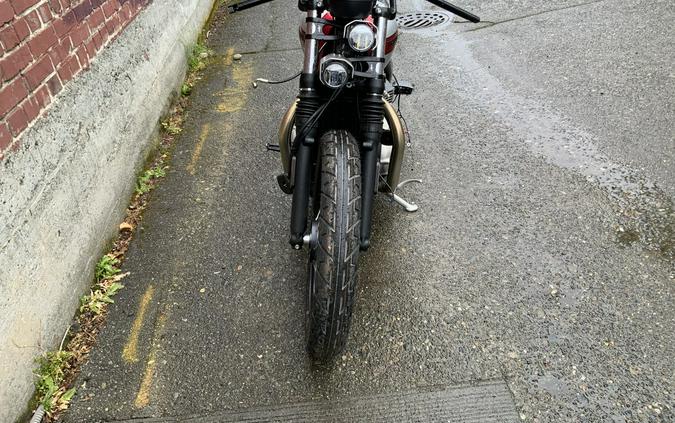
[(64, 187)]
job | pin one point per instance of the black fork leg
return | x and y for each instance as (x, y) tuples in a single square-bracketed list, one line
[(372, 113), (307, 105)]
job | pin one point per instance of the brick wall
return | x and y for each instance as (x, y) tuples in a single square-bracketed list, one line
[(43, 45)]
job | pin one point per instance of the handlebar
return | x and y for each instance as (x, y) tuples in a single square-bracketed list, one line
[(456, 10), (246, 4)]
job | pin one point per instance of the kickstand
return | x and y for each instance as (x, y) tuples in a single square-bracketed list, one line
[(407, 206)]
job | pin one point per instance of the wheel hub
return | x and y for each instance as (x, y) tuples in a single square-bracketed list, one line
[(312, 239)]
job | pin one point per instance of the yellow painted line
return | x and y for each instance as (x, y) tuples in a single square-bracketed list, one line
[(227, 61), (130, 351), (196, 154), (234, 98), (143, 395)]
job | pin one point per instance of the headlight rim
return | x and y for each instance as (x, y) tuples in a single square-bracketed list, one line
[(335, 59), (350, 27)]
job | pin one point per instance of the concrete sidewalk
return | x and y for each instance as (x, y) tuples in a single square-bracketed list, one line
[(511, 274)]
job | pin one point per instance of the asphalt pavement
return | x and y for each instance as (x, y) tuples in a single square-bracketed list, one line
[(538, 273)]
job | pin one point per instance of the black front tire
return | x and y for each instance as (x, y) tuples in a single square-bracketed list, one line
[(333, 260)]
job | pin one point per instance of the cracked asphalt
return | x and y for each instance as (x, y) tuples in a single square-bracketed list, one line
[(542, 255)]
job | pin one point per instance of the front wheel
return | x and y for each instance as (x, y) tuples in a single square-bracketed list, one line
[(333, 257)]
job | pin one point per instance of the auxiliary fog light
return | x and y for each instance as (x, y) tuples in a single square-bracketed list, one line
[(335, 72)]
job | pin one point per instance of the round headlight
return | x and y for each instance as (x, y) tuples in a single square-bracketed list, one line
[(361, 37)]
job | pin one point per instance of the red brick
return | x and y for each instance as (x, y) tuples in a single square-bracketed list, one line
[(65, 24), (96, 19), (113, 24), (55, 6), (11, 95), (83, 10), (41, 96), (31, 108), (91, 49), (36, 103), (18, 121), (103, 33), (33, 20), (6, 12), (64, 72), (82, 56), (42, 41), (140, 4), (60, 51), (45, 13), (68, 68), (39, 72), (110, 7), (8, 37), (21, 5), (54, 85), (5, 137), (98, 41), (79, 34), (75, 66), (12, 63), (125, 13), (22, 28)]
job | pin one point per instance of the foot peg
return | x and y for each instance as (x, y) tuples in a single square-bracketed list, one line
[(401, 88), (407, 206)]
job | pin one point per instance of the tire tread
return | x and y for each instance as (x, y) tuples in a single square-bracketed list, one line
[(337, 256)]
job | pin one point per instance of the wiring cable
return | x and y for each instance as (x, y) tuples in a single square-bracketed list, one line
[(282, 81)]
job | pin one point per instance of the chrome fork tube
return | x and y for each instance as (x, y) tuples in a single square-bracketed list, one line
[(311, 45), (381, 43)]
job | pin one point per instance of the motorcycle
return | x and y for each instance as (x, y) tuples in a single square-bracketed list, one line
[(341, 141)]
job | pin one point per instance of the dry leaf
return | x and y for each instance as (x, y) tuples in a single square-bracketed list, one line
[(118, 277), (124, 226)]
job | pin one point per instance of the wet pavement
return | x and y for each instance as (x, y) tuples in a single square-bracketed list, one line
[(541, 258)]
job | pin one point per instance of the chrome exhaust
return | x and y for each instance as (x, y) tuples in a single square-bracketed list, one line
[(285, 133)]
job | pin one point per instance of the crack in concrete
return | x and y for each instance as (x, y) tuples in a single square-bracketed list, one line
[(490, 24)]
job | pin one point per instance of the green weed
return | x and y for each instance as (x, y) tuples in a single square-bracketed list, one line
[(106, 267), (144, 183), (197, 58), (171, 127), (186, 89), (106, 285), (50, 373), (96, 301)]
